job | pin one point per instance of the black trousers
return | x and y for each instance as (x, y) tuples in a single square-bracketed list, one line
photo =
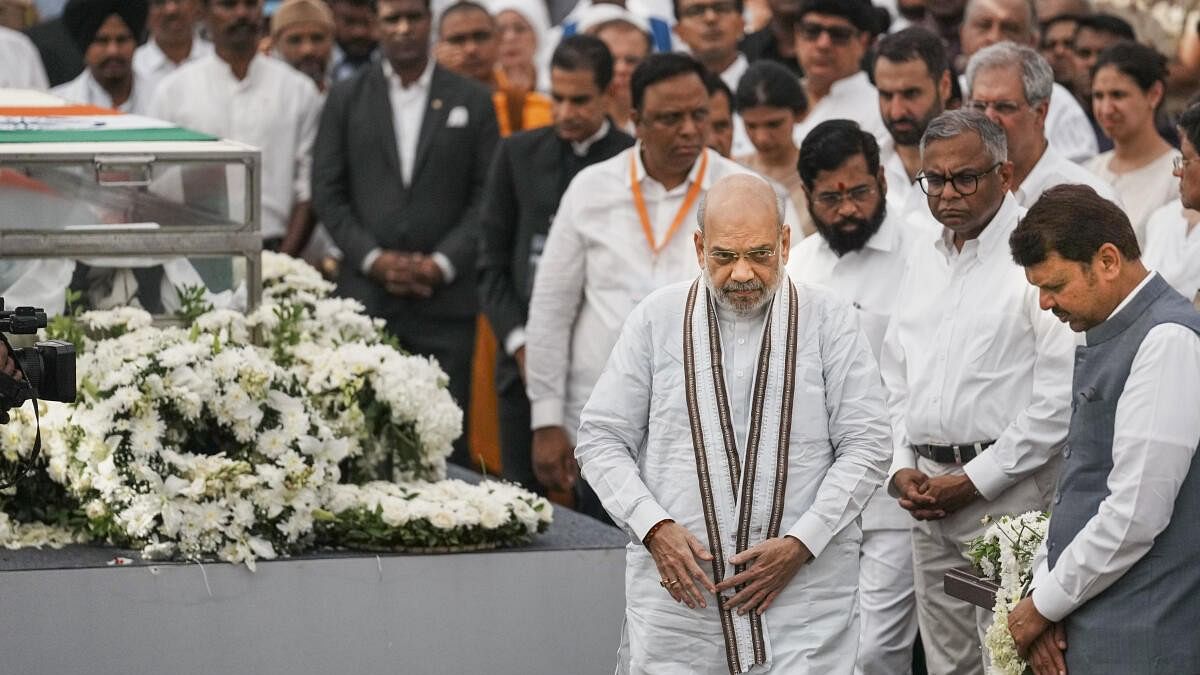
[(452, 343)]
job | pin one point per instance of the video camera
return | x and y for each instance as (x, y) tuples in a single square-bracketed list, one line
[(48, 367)]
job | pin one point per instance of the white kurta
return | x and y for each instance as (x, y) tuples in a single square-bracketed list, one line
[(275, 108), (153, 64), (905, 199), (22, 64), (1142, 191), (85, 89), (1173, 249), (596, 267), (852, 98), (635, 449)]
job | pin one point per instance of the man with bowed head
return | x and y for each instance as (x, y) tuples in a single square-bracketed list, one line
[(736, 433), (1117, 583)]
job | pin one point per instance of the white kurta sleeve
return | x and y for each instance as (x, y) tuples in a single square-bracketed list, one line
[(613, 428), (1034, 438), (553, 308), (1154, 440), (310, 112), (858, 431)]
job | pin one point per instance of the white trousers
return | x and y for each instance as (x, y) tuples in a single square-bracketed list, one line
[(887, 603), (952, 630)]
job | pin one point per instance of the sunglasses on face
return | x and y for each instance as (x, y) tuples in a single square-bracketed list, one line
[(838, 35)]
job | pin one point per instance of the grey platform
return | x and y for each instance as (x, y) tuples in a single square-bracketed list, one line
[(553, 607)]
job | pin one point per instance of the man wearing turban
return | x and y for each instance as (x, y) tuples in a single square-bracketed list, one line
[(107, 33)]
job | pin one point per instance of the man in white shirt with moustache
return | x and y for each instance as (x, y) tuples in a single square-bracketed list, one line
[(988, 22), (23, 67), (173, 39), (617, 237), (978, 378), (912, 76), (238, 94), (1011, 84), (711, 30), (831, 38), (860, 255)]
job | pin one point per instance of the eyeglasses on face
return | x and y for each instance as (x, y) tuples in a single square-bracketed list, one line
[(838, 35), (755, 256), (723, 8), (1002, 108), (1180, 163), (965, 182), (832, 201)]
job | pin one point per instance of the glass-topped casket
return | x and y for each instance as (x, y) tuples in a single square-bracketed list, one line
[(122, 210)]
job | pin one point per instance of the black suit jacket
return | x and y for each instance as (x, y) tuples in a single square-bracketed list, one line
[(359, 195), (529, 174)]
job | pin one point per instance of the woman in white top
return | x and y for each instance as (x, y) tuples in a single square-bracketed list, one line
[(1172, 236), (1127, 88)]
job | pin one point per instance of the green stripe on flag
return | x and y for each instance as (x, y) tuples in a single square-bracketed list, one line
[(103, 136)]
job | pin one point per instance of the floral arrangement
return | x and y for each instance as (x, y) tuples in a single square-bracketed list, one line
[(231, 437), (1004, 554)]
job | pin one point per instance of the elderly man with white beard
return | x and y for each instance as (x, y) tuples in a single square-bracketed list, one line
[(736, 434)]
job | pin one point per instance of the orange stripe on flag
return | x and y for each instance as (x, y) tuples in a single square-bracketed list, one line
[(58, 111)]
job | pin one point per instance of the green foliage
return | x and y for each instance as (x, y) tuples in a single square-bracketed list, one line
[(67, 326), (192, 303)]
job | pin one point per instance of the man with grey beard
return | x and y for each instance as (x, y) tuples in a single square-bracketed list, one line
[(738, 458)]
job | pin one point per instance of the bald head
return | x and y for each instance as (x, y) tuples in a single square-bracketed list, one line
[(742, 244), (740, 197)]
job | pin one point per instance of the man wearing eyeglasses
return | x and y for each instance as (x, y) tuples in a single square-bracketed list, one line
[(1011, 84), (735, 434), (615, 239), (860, 255), (978, 378), (831, 38), (988, 22), (711, 30)]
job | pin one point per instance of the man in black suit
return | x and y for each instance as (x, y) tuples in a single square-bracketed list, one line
[(399, 166), (529, 174)]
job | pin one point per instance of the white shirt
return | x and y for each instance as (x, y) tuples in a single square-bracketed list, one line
[(408, 109), (1055, 169), (851, 98), (23, 67), (1143, 190), (85, 89), (1068, 128), (1172, 250), (969, 356), (596, 267), (1154, 439), (868, 279), (733, 74), (274, 108), (153, 64)]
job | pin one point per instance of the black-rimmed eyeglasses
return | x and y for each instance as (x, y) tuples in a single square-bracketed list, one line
[(965, 182)]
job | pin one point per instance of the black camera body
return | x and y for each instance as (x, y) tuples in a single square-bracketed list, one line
[(49, 366)]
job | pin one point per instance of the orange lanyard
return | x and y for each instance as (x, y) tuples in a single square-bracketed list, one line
[(693, 194)]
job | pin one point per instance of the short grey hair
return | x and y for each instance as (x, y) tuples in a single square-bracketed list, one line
[(1037, 77), (780, 208), (1030, 8), (954, 123)]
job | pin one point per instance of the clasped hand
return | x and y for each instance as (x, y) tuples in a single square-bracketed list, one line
[(406, 274), (933, 498), (1038, 641), (771, 565)]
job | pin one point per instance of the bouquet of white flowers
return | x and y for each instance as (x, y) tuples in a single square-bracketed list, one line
[(1004, 554), (228, 438)]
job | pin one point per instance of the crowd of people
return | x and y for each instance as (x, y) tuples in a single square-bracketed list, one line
[(533, 202)]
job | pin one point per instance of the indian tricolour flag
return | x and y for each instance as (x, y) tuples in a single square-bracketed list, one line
[(35, 117)]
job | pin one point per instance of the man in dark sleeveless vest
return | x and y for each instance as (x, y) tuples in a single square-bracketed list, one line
[(1118, 589)]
